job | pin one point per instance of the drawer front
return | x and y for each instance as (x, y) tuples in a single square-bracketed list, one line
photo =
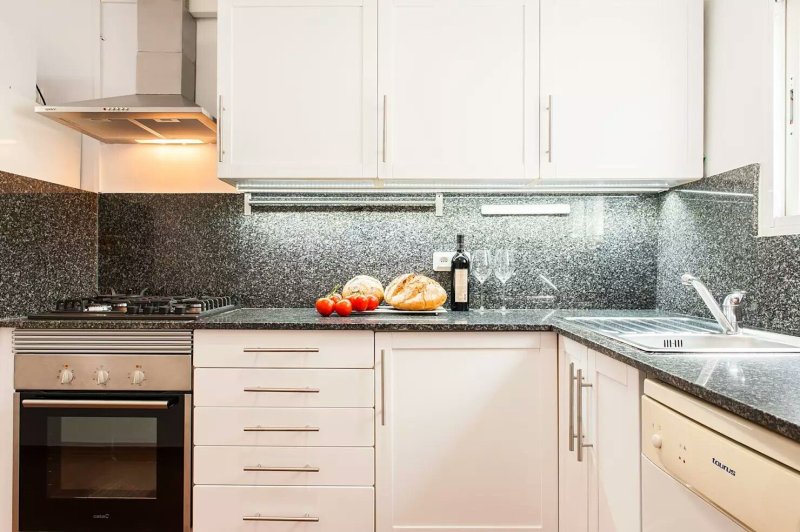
[(308, 427), (285, 466), (284, 387), (283, 349), (312, 509)]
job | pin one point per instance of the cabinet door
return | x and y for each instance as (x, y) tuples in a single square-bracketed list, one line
[(614, 458), (622, 89), (573, 476), (466, 432), (459, 85), (297, 88)]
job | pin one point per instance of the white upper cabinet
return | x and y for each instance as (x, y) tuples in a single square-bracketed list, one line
[(458, 89), (622, 89), (297, 88)]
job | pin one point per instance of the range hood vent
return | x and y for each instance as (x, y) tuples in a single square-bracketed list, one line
[(162, 111)]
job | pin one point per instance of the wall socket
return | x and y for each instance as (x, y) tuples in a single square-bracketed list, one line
[(442, 260)]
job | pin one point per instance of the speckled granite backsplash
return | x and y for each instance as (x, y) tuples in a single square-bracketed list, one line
[(48, 244), (714, 237), (601, 256)]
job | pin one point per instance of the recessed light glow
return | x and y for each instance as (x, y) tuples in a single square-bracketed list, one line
[(169, 141)]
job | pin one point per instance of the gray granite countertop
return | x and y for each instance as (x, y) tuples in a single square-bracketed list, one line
[(762, 388)]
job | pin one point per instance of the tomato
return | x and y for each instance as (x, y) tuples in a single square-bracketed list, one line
[(360, 303), (343, 308), (336, 296), (325, 306), (373, 302)]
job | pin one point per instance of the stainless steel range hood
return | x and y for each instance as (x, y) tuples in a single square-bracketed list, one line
[(162, 111)]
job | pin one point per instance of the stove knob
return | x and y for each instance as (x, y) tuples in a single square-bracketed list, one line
[(101, 377), (137, 378), (656, 441), (66, 376)]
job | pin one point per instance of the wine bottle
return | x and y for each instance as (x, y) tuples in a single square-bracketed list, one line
[(459, 275)]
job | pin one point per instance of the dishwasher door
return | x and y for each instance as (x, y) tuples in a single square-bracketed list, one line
[(668, 506)]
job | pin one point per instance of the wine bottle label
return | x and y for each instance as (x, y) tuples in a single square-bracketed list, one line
[(461, 286)]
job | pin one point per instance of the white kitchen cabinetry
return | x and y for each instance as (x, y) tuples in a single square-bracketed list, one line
[(459, 86), (622, 89), (466, 432), (599, 485), (297, 88)]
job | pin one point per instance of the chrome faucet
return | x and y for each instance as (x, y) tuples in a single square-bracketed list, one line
[(729, 315)]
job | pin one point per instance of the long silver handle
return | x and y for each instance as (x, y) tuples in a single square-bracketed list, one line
[(383, 387), (580, 435), (791, 107), (259, 517), (281, 350), (95, 403), (219, 129), (281, 390), (549, 128), (305, 469), (259, 428), (571, 406), (385, 158)]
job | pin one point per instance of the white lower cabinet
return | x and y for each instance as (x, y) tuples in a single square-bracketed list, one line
[(466, 432), (283, 509), (599, 483)]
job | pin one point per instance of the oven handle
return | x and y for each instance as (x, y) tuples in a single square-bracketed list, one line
[(95, 403)]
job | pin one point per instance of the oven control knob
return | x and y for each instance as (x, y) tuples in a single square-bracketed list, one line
[(101, 377), (137, 377), (66, 376), (656, 441)]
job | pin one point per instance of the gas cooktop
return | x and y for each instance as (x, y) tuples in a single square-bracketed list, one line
[(139, 306)]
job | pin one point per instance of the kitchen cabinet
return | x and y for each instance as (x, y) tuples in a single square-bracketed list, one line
[(297, 88), (459, 86), (622, 89), (466, 431), (599, 401)]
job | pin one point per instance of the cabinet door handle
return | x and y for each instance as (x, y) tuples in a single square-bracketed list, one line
[(302, 519), (383, 387), (549, 128), (305, 469), (571, 406), (281, 350), (259, 428), (385, 157), (579, 436), (259, 389), (219, 129)]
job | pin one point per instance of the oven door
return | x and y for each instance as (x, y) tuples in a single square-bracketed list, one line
[(103, 462)]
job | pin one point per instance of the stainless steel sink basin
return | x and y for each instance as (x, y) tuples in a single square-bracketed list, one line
[(687, 335)]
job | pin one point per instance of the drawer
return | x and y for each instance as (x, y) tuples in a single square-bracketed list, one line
[(309, 427), (284, 349), (285, 466), (284, 387), (294, 509)]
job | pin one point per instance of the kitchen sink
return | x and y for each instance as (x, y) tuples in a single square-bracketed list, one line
[(686, 335)]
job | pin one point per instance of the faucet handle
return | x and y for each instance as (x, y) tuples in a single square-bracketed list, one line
[(734, 299)]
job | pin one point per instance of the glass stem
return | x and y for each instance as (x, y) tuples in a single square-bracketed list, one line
[(504, 296), (481, 289)]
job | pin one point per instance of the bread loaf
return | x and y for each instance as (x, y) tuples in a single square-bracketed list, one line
[(363, 285), (415, 292)]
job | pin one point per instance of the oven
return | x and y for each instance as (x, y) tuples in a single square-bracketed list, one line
[(102, 442)]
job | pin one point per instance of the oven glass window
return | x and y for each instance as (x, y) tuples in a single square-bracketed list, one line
[(102, 457)]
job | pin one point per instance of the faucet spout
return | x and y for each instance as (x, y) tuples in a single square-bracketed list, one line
[(705, 294)]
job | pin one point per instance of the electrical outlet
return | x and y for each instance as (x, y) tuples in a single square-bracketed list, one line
[(442, 260)]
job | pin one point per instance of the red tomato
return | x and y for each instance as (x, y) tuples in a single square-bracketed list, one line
[(373, 302), (360, 303), (343, 308), (325, 306), (336, 296)]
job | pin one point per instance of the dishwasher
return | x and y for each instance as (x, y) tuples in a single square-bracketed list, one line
[(706, 470)]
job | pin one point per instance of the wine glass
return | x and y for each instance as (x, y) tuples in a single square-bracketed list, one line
[(503, 270), (482, 269)]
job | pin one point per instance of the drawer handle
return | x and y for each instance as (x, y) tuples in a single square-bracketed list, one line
[(259, 517), (281, 390), (259, 428), (281, 350), (259, 467)]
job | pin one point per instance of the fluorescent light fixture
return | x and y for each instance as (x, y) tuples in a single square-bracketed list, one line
[(559, 209), (169, 141), (717, 193)]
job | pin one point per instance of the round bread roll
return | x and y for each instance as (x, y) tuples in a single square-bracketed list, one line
[(415, 292), (363, 285)]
